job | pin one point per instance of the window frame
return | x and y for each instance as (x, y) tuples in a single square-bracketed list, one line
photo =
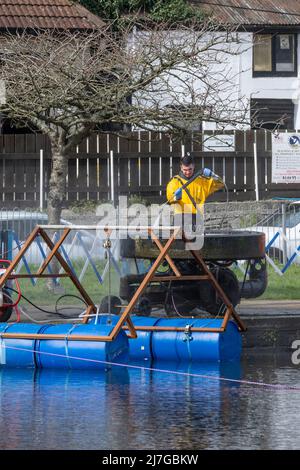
[(273, 72)]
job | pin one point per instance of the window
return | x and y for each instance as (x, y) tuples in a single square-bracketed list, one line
[(274, 55), (272, 113)]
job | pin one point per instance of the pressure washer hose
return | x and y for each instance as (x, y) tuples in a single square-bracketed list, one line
[(185, 185), (156, 222)]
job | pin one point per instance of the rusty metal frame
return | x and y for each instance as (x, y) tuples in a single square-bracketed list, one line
[(125, 316)]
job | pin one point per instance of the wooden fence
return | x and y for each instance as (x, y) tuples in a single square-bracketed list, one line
[(143, 162)]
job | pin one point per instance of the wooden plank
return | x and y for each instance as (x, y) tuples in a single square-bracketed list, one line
[(218, 165), (93, 179), (103, 178), (144, 169), (144, 142), (92, 139), (9, 180), (133, 142), (175, 168), (260, 142), (116, 178), (141, 189), (102, 191), (249, 140), (47, 175), (134, 176), (31, 169), (20, 143), (9, 143), (20, 156), (249, 172), (2, 149), (240, 174), (165, 143), (239, 142), (81, 148), (124, 144), (268, 170), (155, 171), (165, 170), (112, 143), (2, 172), (124, 175), (30, 144), (19, 180), (42, 142), (82, 180), (72, 181), (156, 143)]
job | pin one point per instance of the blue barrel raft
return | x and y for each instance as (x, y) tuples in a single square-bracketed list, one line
[(158, 345), (193, 346), (66, 353)]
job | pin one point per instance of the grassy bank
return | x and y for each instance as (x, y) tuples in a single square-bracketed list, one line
[(286, 287), (41, 295)]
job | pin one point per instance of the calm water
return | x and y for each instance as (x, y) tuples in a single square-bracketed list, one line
[(139, 409)]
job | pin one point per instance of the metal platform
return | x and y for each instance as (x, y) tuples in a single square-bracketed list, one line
[(218, 246)]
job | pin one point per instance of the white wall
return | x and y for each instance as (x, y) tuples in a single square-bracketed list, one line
[(264, 87)]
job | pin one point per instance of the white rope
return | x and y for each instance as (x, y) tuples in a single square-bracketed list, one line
[(167, 371)]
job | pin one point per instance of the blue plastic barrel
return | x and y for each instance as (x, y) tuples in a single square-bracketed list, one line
[(179, 346), (18, 352), (52, 353), (140, 348), (196, 346)]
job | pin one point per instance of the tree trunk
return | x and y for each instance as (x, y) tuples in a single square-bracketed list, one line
[(56, 197), (57, 184)]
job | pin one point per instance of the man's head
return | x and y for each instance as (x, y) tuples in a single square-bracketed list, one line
[(187, 165)]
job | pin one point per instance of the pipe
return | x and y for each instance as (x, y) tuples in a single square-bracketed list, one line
[(258, 279)]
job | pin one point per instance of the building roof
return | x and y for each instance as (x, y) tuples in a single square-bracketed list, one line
[(253, 12), (46, 14)]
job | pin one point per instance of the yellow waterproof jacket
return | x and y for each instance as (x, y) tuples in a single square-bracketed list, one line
[(199, 189)]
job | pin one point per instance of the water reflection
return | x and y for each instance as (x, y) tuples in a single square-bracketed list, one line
[(168, 407), (118, 409)]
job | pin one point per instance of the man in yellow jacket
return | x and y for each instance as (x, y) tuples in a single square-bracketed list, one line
[(191, 197)]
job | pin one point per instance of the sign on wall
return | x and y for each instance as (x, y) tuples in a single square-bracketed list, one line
[(286, 158), (219, 143)]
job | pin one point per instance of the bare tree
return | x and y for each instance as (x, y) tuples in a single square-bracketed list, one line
[(66, 84)]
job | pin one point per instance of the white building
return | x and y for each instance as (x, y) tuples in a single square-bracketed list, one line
[(268, 72)]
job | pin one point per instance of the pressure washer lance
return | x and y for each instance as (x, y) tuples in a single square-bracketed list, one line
[(107, 246), (206, 173)]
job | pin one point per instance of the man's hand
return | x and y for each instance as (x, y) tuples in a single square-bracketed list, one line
[(207, 173), (178, 194)]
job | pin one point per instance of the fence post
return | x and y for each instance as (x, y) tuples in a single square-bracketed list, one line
[(41, 177), (284, 247), (182, 150), (255, 167), (112, 190)]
